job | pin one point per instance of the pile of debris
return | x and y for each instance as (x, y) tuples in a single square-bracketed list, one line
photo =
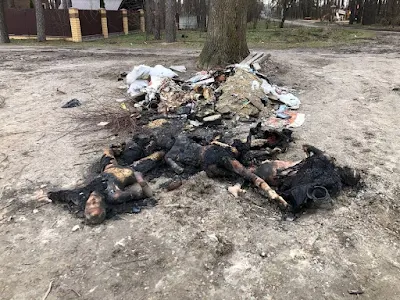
[(237, 92), (193, 126)]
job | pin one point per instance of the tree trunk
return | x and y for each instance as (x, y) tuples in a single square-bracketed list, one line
[(3, 26), (149, 18), (226, 36), (255, 23), (284, 11), (203, 15), (378, 11), (179, 6), (157, 20), (10, 3), (161, 9), (170, 27), (40, 25)]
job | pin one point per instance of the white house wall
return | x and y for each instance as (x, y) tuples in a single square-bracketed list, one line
[(188, 22), (86, 4), (112, 4)]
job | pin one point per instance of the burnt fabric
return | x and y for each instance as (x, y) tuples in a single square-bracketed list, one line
[(316, 170)]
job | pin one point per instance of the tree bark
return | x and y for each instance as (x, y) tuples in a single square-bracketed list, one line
[(226, 35), (161, 9), (255, 23), (284, 11), (203, 15), (40, 24), (3, 26), (157, 20), (179, 6), (170, 27), (378, 11), (149, 18)]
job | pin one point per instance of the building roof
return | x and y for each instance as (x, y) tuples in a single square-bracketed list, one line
[(132, 4)]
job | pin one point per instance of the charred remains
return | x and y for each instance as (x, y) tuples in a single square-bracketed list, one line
[(121, 187), (191, 126)]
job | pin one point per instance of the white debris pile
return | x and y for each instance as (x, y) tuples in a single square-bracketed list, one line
[(145, 79), (239, 91)]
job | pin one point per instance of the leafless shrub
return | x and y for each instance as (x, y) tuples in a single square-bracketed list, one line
[(119, 119)]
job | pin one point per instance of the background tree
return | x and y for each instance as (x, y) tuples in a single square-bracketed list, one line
[(3, 26), (286, 5), (170, 27), (149, 17), (157, 19), (226, 34), (40, 24), (254, 11), (203, 15)]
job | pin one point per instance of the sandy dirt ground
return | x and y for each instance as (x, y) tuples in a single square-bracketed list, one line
[(211, 246)]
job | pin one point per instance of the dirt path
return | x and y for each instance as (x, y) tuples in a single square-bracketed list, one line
[(304, 23), (213, 246)]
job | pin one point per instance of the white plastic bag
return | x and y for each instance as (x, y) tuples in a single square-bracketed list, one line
[(161, 71), (138, 72), (137, 86), (290, 100)]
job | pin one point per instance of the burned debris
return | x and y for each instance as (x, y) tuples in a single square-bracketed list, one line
[(217, 122)]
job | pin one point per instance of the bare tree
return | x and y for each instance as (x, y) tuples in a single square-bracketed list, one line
[(40, 24), (203, 15), (3, 25), (255, 7), (170, 27), (149, 17), (157, 20), (286, 5), (226, 35)]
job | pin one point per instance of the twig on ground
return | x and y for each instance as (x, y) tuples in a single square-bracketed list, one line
[(76, 293), (48, 290), (5, 158), (175, 206), (356, 292), (5, 206), (130, 261)]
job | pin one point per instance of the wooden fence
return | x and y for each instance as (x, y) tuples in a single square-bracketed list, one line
[(74, 24), (114, 21), (90, 22), (133, 20), (23, 22)]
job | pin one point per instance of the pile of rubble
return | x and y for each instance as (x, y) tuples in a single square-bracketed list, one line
[(228, 123), (238, 92)]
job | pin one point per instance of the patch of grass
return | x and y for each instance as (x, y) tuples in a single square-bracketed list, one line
[(305, 37), (261, 37), (374, 27)]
